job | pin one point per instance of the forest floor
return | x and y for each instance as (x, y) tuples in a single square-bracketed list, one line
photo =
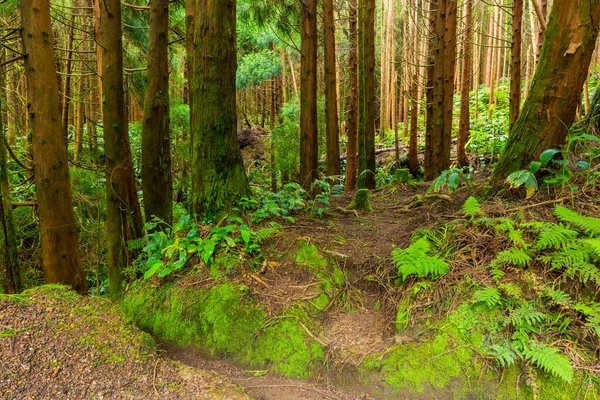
[(57, 342)]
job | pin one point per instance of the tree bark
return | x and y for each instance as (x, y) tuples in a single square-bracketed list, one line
[(309, 144), (58, 232), (515, 65), (467, 73), (121, 202), (218, 175), (157, 183), (550, 108), (351, 162), (369, 85), (332, 135)]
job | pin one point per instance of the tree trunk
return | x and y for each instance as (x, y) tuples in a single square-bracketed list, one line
[(218, 175), (120, 205), (369, 85), (332, 136), (464, 124), (309, 144), (157, 183), (58, 232), (515, 64), (351, 161), (362, 159), (550, 108), (10, 281), (79, 120), (438, 139)]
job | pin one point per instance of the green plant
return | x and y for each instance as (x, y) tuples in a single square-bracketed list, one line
[(472, 208), (414, 260), (452, 179)]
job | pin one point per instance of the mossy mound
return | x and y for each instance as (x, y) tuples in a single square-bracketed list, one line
[(224, 319), (54, 341), (361, 201)]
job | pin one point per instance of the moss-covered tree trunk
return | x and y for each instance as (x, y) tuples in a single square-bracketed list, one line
[(331, 102), (58, 231), (515, 64), (464, 119), (362, 155), (550, 107), (122, 207), (157, 184), (218, 175), (352, 126), (369, 89)]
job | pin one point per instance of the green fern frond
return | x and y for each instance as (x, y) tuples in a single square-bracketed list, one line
[(550, 360), (497, 272), (557, 296), (514, 256), (504, 224), (554, 236), (490, 296), (511, 290), (588, 224), (594, 244), (471, 207), (535, 226), (516, 236), (525, 317), (414, 260), (571, 254), (505, 355), (584, 273), (265, 233)]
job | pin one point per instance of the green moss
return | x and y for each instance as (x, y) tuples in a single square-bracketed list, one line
[(361, 201), (225, 319)]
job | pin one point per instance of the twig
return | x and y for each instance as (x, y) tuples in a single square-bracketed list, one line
[(311, 335), (540, 204)]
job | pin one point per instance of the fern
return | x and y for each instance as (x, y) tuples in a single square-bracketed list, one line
[(572, 253), (505, 355), (594, 244), (516, 236), (414, 260), (514, 256), (554, 236), (490, 296), (584, 273), (588, 224), (557, 296), (511, 290), (525, 317), (471, 207), (265, 233), (550, 360)]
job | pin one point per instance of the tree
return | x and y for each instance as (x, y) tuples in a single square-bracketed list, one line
[(331, 109), (58, 231), (352, 126), (555, 94), (309, 144), (218, 175), (467, 72), (438, 137), (122, 221), (157, 183), (515, 64), (369, 94)]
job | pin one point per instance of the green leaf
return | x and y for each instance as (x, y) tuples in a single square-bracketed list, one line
[(535, 166), (548, 155), (246, 236), (453, 180), (154, 266), (583, 164)]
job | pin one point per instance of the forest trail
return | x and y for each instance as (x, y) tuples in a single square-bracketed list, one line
[(358, 243)]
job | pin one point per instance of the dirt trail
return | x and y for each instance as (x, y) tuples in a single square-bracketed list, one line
[(262, 385)]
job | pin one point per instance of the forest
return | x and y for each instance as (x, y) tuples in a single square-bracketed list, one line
[(299, 199)]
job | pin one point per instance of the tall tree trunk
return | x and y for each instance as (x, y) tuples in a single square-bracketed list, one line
[(157, 183), (80, 117), (369, 85), (362, 155), (309, 144), (120, 205), (515, 65), (10, 281), (438, 139), (352, 133), (429, 93), (58, 232), (550, 108), (332, 136), (68, 66), (464, 124), (218, 175), (12, 108)]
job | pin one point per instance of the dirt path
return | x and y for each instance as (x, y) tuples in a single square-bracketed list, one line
[(261, 385)]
